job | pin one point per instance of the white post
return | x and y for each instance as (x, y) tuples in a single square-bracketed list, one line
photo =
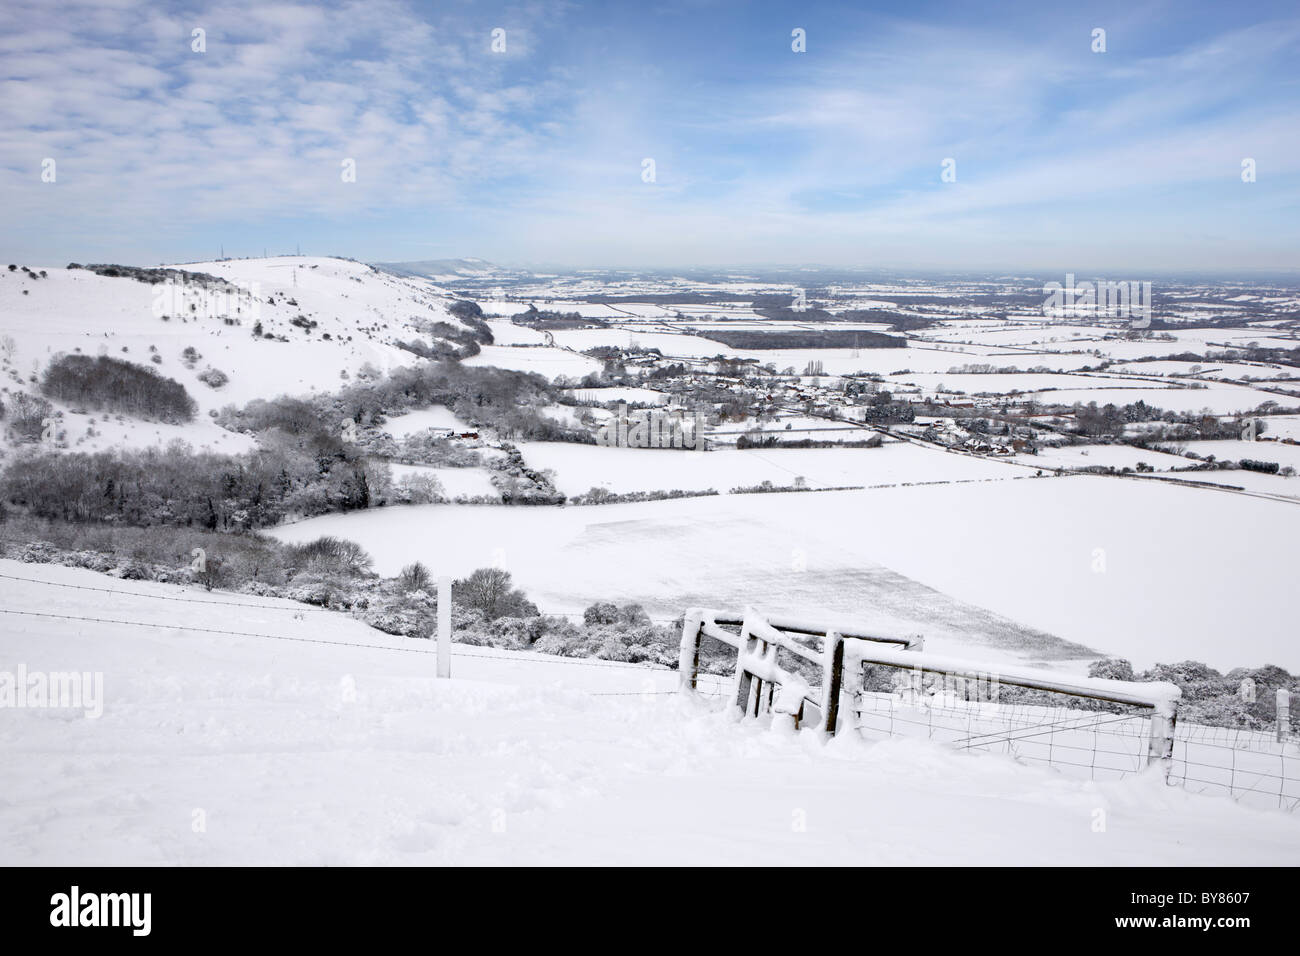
[(1283, 714), (444, 627)]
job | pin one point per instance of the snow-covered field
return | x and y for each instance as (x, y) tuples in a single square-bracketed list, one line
[(436, 416), (644, 396), (216, 749), (1219, 399), (1228, 450), (998, 384), (1216, 370), (579, 468), (1111, 456), (470, 482), (1119, 566), (1283, 426), (548, 362)]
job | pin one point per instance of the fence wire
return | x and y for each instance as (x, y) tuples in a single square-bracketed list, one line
[(1249, 766)]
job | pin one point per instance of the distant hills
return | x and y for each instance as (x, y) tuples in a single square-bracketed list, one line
[(443, 269)]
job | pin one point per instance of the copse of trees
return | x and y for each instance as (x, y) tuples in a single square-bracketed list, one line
[(555, 321), (116, 385)]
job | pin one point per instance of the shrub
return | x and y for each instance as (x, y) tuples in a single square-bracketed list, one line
[(213, 377)]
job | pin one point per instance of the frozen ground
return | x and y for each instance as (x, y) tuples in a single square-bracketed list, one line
[(216, 749)]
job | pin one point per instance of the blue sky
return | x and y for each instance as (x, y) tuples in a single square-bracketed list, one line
[(1065, 159)]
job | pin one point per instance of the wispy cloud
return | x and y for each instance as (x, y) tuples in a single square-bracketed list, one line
[(533, 153)]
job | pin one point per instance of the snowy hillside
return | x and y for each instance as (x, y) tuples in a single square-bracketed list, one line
[(335, 745), (323, 321)]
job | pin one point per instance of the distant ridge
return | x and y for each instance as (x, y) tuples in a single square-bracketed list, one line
[(469, 268)]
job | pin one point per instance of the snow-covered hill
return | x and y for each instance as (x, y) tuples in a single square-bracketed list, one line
[(326, 742), (348, 318)]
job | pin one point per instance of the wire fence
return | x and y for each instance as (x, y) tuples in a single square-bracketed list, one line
[(1249, 766)]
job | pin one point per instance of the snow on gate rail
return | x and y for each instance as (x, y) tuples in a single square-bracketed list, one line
[(812, 672)]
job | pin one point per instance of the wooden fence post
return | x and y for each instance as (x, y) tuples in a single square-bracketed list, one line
[(1283, 714), (832, 682)]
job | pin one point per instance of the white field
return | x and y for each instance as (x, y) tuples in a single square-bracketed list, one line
[(679, 344), (505, 332), (1024, 333), (1250, 481), (1230, 450), (1113, 456), (579, 468), (470, 482), (548, 362), (1022, 549), (1283, 426), (336, 754), (999, 384), (1216, 370), (1219, 399), (923, 357), (643, 396), (801, 427), (436, 416)]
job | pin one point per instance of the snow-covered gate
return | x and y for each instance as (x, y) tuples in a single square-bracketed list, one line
[(975, 706), (814, 648)]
